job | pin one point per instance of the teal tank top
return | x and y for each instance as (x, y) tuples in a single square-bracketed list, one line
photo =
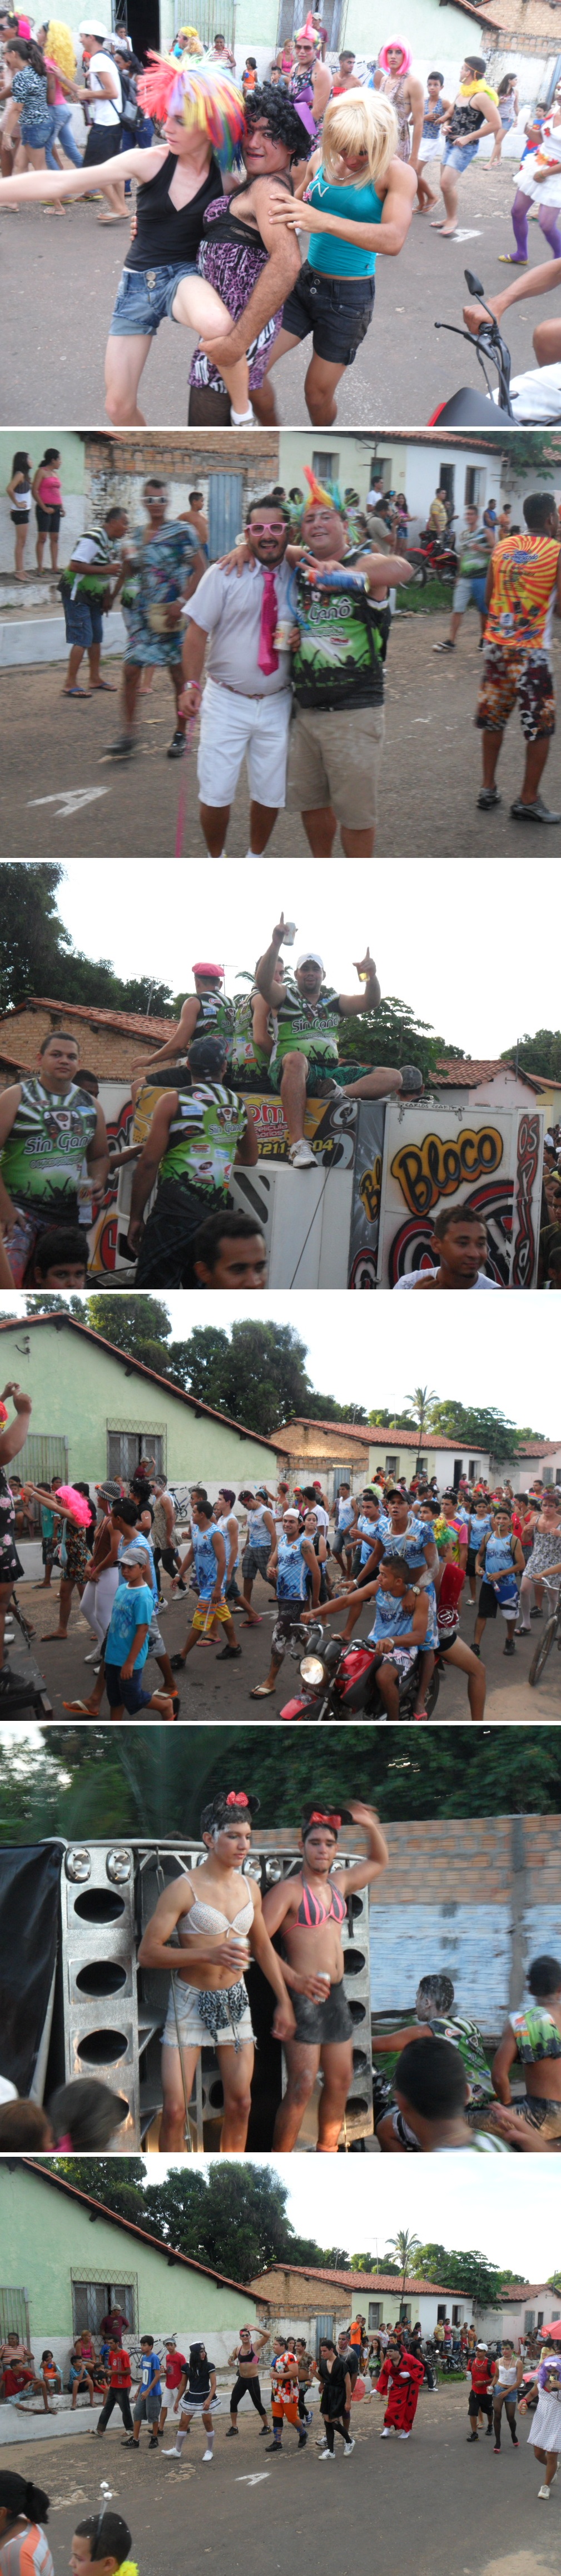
[(359, 206)]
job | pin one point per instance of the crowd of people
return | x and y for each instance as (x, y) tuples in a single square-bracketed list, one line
[(115, 1548), (314, 150)]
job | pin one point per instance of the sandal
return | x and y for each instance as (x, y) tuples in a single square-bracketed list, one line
[(263, 1690), (77, 1707)]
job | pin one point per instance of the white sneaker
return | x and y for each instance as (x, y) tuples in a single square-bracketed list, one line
[(301, 1155), (403, 2437), (208, 2455), (326, 2455), (175, 2454), (349, 2446), (386, 2435), (544, 2493)]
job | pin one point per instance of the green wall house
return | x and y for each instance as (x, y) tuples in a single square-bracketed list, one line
[(64, 2260), (95, 1411)]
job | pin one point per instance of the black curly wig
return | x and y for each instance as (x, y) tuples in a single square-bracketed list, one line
[(284, 124)]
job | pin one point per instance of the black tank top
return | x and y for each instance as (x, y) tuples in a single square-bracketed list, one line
[(167, 236)]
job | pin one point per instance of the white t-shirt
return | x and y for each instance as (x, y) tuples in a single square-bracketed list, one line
[(89, 550), (104, 110), (413, 1276)]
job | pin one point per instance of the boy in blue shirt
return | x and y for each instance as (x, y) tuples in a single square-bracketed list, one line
[(148, 2402), (127, 1643)]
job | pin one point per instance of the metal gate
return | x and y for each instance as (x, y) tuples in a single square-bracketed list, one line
[(43, 1457), (14, 2314), (208, 18), (225, 512), (333, 18)]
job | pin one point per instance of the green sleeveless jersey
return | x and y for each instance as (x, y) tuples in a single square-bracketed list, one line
[(41, 1162), (203, 1137)]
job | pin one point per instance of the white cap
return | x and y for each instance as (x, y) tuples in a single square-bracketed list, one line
[(481, 2347), (310, 956), (93, 27)]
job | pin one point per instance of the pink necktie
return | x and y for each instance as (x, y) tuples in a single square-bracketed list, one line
[(268, 660)]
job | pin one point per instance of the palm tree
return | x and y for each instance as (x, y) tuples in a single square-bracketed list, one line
[(402, 2246), (422, 1400)]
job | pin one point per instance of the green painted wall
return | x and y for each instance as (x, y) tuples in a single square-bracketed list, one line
[(50, 2237), (35, 441), (79, 1389)]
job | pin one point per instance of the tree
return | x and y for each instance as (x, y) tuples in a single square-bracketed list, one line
[(384, 1421), (402, 2247), (537, 453), (541, 1054), (468, 2274), (481, 1426), (115, 2180), (50, 1301), (422, 1400), (258, 1376), (133, 1324), (38, 956), (392, 1035)]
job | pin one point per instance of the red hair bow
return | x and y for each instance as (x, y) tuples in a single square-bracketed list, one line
[(237, 1798), (319, 1818)]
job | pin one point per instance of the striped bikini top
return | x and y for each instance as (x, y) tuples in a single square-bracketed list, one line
[(206, 1918), (312, 1911)]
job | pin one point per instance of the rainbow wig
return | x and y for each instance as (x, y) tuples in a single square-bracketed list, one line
[(391, 48), (322, 498), (200, 97), (310, 32)]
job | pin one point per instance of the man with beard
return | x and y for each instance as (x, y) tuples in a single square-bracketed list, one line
[(340, 638), (305, 1054), (49, 1129)]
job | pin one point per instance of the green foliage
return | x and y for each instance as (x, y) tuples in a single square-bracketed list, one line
[(402, 2248), (117, 1780), (133, 1324), (536, 452), (257, 1376), (391, 1035), (481, 1426), (384, 1421), (38, 957), (541, 1054), (469, 2275), (115, 2180), (231, 2216)]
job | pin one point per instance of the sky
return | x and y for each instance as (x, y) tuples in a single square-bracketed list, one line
[(467, 949), (494, 2213), (498, 1361)]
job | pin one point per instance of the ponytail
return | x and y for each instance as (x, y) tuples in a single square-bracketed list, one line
[(20, 2496)]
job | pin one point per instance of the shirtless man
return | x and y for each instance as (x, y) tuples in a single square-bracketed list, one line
[(19, 2374), (220, 1928), (309, 1910)]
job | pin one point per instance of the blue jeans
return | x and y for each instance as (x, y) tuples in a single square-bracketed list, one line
[(458, 155), (37, 137), (62, 124), (144, 299)]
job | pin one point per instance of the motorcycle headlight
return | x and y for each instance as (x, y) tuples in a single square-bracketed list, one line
[(312, 1669)]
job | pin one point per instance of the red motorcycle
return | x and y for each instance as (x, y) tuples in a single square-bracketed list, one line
[(434, 558), (341, 1681)]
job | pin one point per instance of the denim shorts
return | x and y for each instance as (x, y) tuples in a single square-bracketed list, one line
[(458, 155), (144, 299), (337, 310), (36, 136), (123, 1693), (83, 621)]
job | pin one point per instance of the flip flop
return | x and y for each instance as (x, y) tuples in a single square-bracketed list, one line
[(507, 260), (77, 1707), (253, 1623), (102, 687), (264, 1690), (77, 693)]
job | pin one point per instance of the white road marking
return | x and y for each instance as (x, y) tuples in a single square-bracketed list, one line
[(466, 236), (69, 799), (256, 2480)]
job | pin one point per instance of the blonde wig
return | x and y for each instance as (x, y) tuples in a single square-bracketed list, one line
[(361, 120)]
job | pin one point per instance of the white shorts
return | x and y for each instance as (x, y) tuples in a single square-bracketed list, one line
[(194, 2033), (233, 728), (431, 148)]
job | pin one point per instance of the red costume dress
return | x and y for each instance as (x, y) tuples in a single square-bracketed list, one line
[(399, 2382), (284, 2391)]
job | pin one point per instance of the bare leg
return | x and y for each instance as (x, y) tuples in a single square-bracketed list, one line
[(293, 1095), (172, 2124), (262, 819), (198, 304), (214, 824), (477, 1677), (536, 755), (449, 186), (124, 364), (76, 656), (337, 2070), (321, 381), (64, 1600), (236, 2068), (320, 825), (491, 744), (302, 2064)]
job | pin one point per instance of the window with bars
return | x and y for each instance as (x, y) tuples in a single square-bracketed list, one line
[(92, 2299), (126, 1448), (324, 2328), (374, 2313), (14, 2314)]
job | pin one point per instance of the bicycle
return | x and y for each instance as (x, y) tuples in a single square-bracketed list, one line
[(551, 1635)]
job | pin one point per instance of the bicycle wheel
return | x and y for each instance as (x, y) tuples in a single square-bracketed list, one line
[(539, 1660)]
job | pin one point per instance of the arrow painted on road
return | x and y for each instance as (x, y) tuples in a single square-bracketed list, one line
[(467, 236), (256, 2480), (69, 799)]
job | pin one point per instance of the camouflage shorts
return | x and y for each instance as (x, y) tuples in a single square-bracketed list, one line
[(509, 674)]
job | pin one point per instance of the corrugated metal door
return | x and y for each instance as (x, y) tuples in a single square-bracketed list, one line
[(43, 1457), (225, 510)]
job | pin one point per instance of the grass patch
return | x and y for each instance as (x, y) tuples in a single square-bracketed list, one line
[(435, 595)]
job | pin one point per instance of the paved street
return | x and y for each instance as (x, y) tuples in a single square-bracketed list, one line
[(209, 1690), (60, 283), (64, 797), (421, 2503)]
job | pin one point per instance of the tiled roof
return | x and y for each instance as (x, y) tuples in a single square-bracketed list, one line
[(464, 1073), (71, 1325), (377, 1434), (358, 2282), (134, 1023), (38, 2165), (516, 2290)]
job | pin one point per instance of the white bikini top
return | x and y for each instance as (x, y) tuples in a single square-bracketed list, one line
[(206, 1918)]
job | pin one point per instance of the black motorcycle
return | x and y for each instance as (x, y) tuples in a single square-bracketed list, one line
[(469, 409)]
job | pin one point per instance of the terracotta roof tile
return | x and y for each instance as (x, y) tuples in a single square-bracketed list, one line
[(358, 2282), (72, 1325), (136, 1023)]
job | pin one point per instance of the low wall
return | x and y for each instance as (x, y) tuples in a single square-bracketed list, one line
[(478, 1899)]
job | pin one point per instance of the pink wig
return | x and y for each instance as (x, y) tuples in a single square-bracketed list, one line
[(74, 1502), (391, 48)]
